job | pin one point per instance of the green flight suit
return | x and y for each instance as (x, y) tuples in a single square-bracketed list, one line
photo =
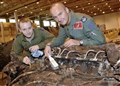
[(87, 31), (20, 44)]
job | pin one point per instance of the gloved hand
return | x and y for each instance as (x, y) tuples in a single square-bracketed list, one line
[(37, 53)]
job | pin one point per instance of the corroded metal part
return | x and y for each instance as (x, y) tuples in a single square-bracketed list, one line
[(89, 66)]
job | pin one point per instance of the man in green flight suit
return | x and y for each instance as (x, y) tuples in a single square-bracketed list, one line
[(79, 28), (30, 40)]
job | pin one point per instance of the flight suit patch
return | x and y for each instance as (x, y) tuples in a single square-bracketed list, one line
[(91, 25), (92, 33), (83, 19), (78, 25)]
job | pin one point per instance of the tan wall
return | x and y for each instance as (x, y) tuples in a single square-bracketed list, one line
[(8, 30), (110, 20)]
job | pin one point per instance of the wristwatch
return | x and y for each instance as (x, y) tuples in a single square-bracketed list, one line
[(81, 43)]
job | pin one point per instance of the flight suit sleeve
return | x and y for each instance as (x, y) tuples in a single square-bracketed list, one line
[(59, 40), (93, 34), (46, 38), (17, 50)]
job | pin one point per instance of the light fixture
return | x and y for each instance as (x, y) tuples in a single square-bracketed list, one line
[(76, 6), (37, 2), (25, 6), (112, 10), (103, 12), (65, 2), (106, 3), (1, 2), (95, 13), (88, 3)]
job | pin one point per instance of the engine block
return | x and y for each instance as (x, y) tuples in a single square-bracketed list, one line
[(77, 66)]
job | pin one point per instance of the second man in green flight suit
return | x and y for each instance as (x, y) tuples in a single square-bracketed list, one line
[(30, 40)]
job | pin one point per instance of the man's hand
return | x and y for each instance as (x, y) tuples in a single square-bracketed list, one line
[(71, 42), (34, 48), (47, 50), (26, 60)]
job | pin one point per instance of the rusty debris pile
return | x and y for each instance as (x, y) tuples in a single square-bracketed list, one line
[(5, 49), (78, 66)]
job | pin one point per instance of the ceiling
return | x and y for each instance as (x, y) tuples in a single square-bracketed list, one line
[(35, 8)]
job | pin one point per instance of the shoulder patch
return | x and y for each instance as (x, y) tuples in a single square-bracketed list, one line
[(83, 19), (91, 25)]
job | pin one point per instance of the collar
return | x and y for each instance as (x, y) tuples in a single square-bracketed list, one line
[(73, 18)]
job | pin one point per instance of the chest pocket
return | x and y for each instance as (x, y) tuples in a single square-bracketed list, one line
[(76, 32), (78, 28)]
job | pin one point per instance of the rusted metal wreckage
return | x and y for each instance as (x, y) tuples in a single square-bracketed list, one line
[(78, 66)]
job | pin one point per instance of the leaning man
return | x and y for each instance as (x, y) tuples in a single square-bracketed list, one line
[(29, 40)]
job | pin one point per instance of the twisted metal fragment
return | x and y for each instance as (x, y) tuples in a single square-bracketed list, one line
[(95, 57), (87, 53)]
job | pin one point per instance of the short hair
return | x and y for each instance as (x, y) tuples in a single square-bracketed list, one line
[(57, 3), (23, 20)]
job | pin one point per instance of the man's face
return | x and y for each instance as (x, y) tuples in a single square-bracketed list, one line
[(27, 29), (60, 15)]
